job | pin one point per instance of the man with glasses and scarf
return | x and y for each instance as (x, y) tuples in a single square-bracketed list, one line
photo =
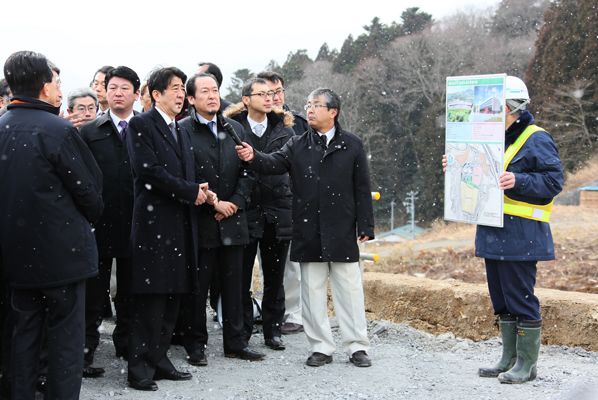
[(269, 211)]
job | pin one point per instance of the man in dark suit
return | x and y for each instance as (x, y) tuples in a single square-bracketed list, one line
[(269, 212), (164, 230), (213, 69), (105, 138), (51, 190), (332, 210), (223, 225)]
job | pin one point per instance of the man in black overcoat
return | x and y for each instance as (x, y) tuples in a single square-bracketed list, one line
[(269, 212), (164, 229), (223, 225), (105, 137)]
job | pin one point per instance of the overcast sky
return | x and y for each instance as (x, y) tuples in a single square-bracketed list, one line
[(81, 36)]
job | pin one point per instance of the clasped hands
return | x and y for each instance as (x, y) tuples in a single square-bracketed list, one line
[(205, 195), (224, 209)]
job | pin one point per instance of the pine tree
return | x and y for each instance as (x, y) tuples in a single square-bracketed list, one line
[(239, 77)]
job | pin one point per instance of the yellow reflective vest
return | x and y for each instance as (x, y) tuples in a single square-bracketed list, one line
[(520, 208)]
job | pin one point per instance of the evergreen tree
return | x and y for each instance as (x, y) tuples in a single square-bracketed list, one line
[(240, 76), (346, 59), (563, 78), (415, 21), (325, 54), (516, 18), (292, 69)]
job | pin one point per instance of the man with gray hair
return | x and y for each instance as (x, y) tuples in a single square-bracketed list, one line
[(82, 106), (332, 210), (5, 95)]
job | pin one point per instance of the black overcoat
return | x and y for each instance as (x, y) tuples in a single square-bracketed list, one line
[(50, 191), (271, 197), (164, 230), (332, 200), (113, 230), (217, 163)]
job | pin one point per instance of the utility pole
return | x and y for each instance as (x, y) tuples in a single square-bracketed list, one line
[(392, 214), (409, 204)]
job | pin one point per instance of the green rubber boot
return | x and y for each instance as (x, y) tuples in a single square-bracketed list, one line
[(508, 330), (528, 347)]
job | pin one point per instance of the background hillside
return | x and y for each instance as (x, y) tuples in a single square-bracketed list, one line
[(392, 82)]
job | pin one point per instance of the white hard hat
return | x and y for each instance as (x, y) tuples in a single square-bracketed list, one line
[(515, 89)]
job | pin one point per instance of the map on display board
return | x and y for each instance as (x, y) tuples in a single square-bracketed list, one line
[(474, 146)]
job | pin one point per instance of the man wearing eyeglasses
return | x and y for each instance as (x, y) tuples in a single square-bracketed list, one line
[(105, 137), (332, 210), (269, 211), (292, 272), (82, 106)]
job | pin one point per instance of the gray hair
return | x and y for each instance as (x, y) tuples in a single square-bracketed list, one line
[(82, 92), (332, 99)]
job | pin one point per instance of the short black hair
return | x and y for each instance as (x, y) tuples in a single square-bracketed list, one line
[(214, 70), (104, 70), (125, 73), (271, 76), (248, 85), (26, 73), (160, 79), (190, 86)]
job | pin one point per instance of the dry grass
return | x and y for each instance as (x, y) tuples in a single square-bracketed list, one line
[(583, 176), (434, 256)]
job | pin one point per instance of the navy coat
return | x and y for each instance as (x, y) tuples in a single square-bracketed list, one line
[(538, 179), (113, 230), (164, 226), (332, 200), (50, 191)]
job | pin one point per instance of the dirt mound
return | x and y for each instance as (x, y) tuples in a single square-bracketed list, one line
[(446, 252), (464, 309)]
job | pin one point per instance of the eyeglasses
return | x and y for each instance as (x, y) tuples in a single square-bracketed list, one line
[(277, 92), (314, 106), (56, 80), (263, 95), (82, 109)]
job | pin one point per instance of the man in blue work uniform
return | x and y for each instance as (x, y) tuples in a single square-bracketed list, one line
[(533, 176)]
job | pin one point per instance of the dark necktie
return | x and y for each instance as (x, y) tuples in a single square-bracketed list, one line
[(172, 127), (123, 128), (323, 141), (212, 125)]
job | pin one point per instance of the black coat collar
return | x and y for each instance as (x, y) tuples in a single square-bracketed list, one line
[(32, 103)]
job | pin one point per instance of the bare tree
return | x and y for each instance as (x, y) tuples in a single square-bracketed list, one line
[(568, 115)]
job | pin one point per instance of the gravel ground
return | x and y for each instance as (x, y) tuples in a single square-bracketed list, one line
[(407, 364)]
